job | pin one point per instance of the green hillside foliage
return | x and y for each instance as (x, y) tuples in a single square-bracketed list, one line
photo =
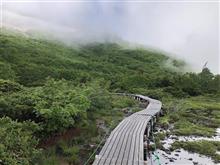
[(30, 62), (18, 145), (56, 87)]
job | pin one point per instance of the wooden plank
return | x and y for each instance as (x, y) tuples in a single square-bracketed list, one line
[(114, 139), (132, 146), (110, 141), (97, 159), (119, 141), (130, 139), (112, 135), (136, 150), (127, 139)]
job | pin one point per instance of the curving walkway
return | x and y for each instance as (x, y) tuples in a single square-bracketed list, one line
[(125, 145)]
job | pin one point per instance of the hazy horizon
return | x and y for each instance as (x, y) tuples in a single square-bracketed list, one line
[(189, 31)]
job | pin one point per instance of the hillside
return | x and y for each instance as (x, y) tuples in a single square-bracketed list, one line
[(60, 98), (30, 61)]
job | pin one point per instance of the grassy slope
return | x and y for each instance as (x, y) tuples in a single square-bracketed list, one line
[(30, 61)]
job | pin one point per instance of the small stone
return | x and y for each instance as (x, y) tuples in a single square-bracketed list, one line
[(178, 151), (176, 154), (190, 159), (163, 143), (195, 163), (174, 137), (92, 145), (167, 151), (171, 160)]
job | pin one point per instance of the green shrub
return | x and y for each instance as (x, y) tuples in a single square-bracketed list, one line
[(9, 86), (18, 145)]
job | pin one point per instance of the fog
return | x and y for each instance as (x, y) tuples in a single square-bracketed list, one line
[(186, 30)]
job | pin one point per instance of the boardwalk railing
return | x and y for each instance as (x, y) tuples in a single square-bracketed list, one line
[(125, 145)]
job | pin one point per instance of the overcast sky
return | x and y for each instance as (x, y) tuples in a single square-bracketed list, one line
[(188, 30)]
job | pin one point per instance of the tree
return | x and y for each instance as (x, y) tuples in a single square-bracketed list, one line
[(216, 84), (205, 80), (59, 103)]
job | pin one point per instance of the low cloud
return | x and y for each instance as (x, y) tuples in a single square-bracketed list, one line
[(189, 31)]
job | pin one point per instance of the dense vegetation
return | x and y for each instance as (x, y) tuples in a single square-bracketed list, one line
[(47, 88), (18, 146), (199, 116)]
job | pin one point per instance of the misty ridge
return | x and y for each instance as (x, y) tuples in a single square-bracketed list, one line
[(78, 43), (187, 31)]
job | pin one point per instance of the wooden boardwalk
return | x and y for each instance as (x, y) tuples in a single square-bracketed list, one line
[(125, 145)]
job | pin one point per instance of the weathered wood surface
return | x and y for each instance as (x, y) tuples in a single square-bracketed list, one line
[(125, 145)]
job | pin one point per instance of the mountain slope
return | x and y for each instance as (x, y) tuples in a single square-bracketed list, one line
[(30, 61)]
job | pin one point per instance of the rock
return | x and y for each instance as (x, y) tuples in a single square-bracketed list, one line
[(171, 160), (124, 109), (178, 150), (195, 163), (167, 151), (92, 145), (176, 154), (174, 137), (190, 159), (157, 129)]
